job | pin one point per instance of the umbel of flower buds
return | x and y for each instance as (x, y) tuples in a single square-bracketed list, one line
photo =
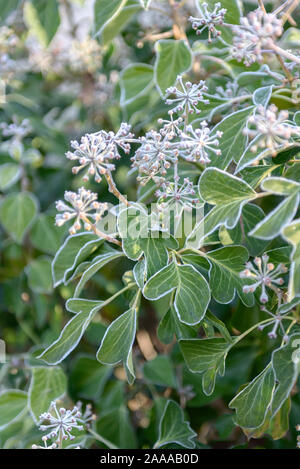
[(154, 157), (256, 32), (271, 128), (195, 143), (82, 207), (60, 422), (96, 151), (264, 274), (276, 322), (184, 194), (186, 96), (209, 19)]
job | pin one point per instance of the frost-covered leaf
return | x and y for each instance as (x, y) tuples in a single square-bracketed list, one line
[(170, 325), (286, 367), (13, 405), (292, 234), (174, 429), (172, 59), (192, 292), (224, 279), (119, 20), (228, 194), (98, 262), (233, 141), (75, 250), (71, 334), (261, 96), (116, 345), (250, 217), (284, 213), (47, 384), (137, 239), (253, 401), (206, 356), (105, 11), (135, 81)]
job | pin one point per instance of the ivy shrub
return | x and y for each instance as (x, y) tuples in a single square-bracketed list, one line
[(160, 306)]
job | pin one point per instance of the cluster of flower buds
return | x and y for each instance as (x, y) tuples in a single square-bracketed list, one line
[(196, 143), (46, 446), (209, 19), (16, 130), (170, 193), (230, 90), (187, 96), (170, 128), (154, 156), (60, 423), (272, 129), (8, 40), (83, 207), (276, 322), (264, 274), (84, 55), (96, 151), (256, 33)]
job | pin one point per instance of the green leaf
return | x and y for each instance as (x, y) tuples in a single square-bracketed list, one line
[(249, 156), (224, 274), (250, 217), (286, 367), (160, 371), (292, 234), (206, 356), (13, 405), (47, 384), (119, 21), (174, 429), (44, 235), (39, 275), (10, 173), (229, 194), (88, 377), (173, 58), (170, 325), (104, 12), (261, 96), (233, 140), (71, 334), (6, 8), (216, 323), (97, 263), (135, 81), (17, 212), (192, 292), (43, 19), (117, 343), (283, 214), (115, 426), (75, 249), (253, 401), (138, 240)]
